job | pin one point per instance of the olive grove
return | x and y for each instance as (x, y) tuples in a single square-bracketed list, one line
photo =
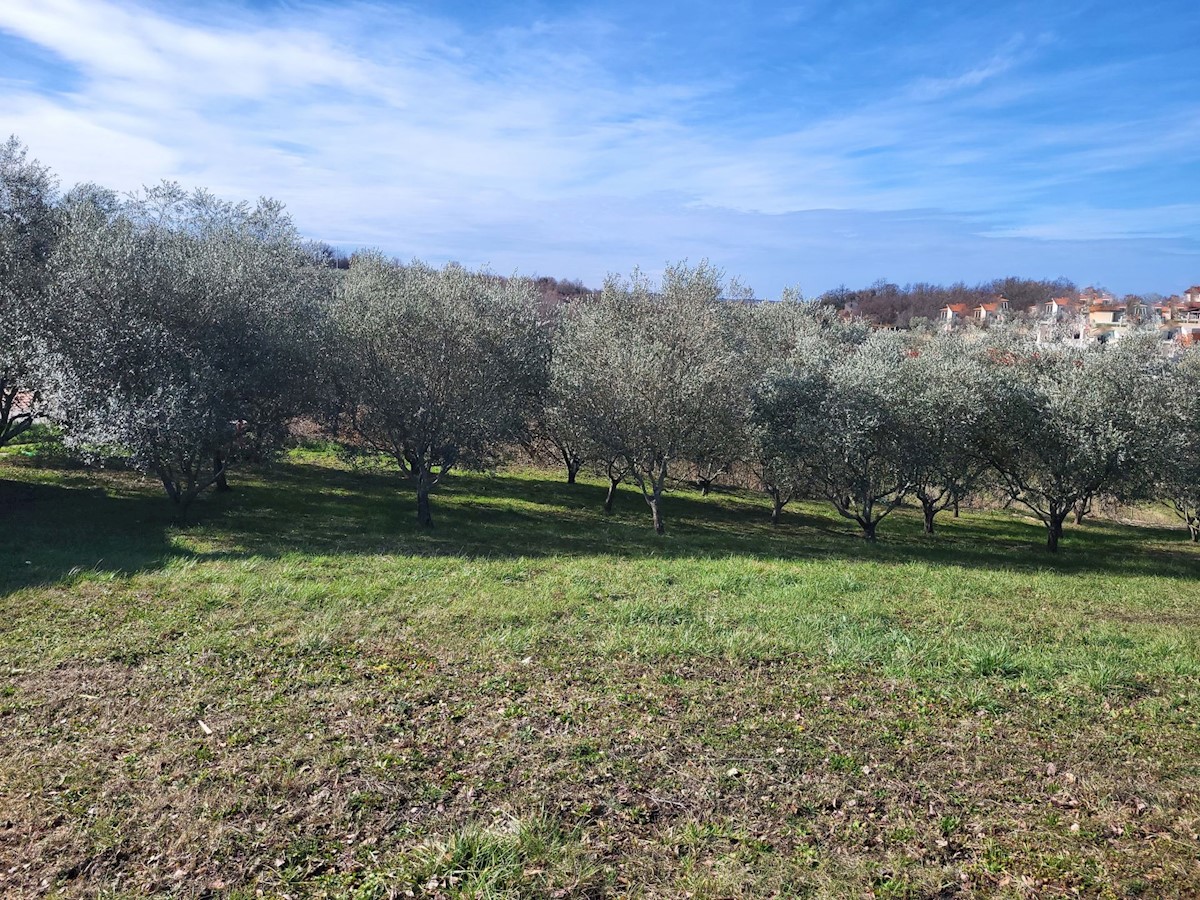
[(651, 374), (185, 334)]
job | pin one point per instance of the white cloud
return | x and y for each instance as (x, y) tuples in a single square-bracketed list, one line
[(380, 126)]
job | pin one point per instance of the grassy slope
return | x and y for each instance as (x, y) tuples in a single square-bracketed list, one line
[(537, 700)]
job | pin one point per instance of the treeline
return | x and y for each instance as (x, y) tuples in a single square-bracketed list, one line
[(893, 304), (906, 306), (187, 335)]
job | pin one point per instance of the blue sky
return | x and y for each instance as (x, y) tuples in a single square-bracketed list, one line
[(807, 144)]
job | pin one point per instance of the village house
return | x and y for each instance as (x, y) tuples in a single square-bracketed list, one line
[(954, 313), (1181, 318), (1063, 318), (1062, 309), (992, 311)]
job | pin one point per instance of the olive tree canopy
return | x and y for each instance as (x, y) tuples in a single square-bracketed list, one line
[(939, 409), (442, 367), (651, 373), (28, 225), (179, 323), (1065, 424), (1177, 465), (833, 419)]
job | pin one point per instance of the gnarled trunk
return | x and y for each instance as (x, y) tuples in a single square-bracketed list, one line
[(656, 514), (182, 486), (573, 464), (612, 495), (928, 510), (778, 502), (1054, 527), (12, 423), (652, 490), (424, 513)]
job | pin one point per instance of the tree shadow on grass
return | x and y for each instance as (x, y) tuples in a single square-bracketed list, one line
[(56, 524), (532, 515), (51, 529)]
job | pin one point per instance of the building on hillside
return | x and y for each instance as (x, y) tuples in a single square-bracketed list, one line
[(1108, 312), (954, 314), (992, 311), (1063, 319), (1062, 309), (1181, 318)]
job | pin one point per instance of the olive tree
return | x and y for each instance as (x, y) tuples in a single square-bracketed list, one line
[(777, 333), (1065, 424), (651, 373), (443, 367), (939, 411), (561, 422), (1177, 465), (28, 225), (179, 325), (725, 442), (834, 418)]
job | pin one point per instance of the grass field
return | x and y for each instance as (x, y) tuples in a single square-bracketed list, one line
[(302, 695)]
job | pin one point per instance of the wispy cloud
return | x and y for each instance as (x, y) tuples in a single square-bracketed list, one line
[(543, 143)]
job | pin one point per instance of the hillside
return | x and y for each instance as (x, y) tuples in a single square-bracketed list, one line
[(304, 695)]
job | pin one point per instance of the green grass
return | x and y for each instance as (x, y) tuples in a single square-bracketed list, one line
[(304, 695)]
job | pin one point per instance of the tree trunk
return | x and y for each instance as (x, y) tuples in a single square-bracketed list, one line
[(777, 503), (1055, 528), (868, 527), (219, 469), (424, 514), (169, 484), (1194, 530), (929, 511), (573, 464), (1082, 508), (705, 486), (956, 507), (656, 513), (612, 495)]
